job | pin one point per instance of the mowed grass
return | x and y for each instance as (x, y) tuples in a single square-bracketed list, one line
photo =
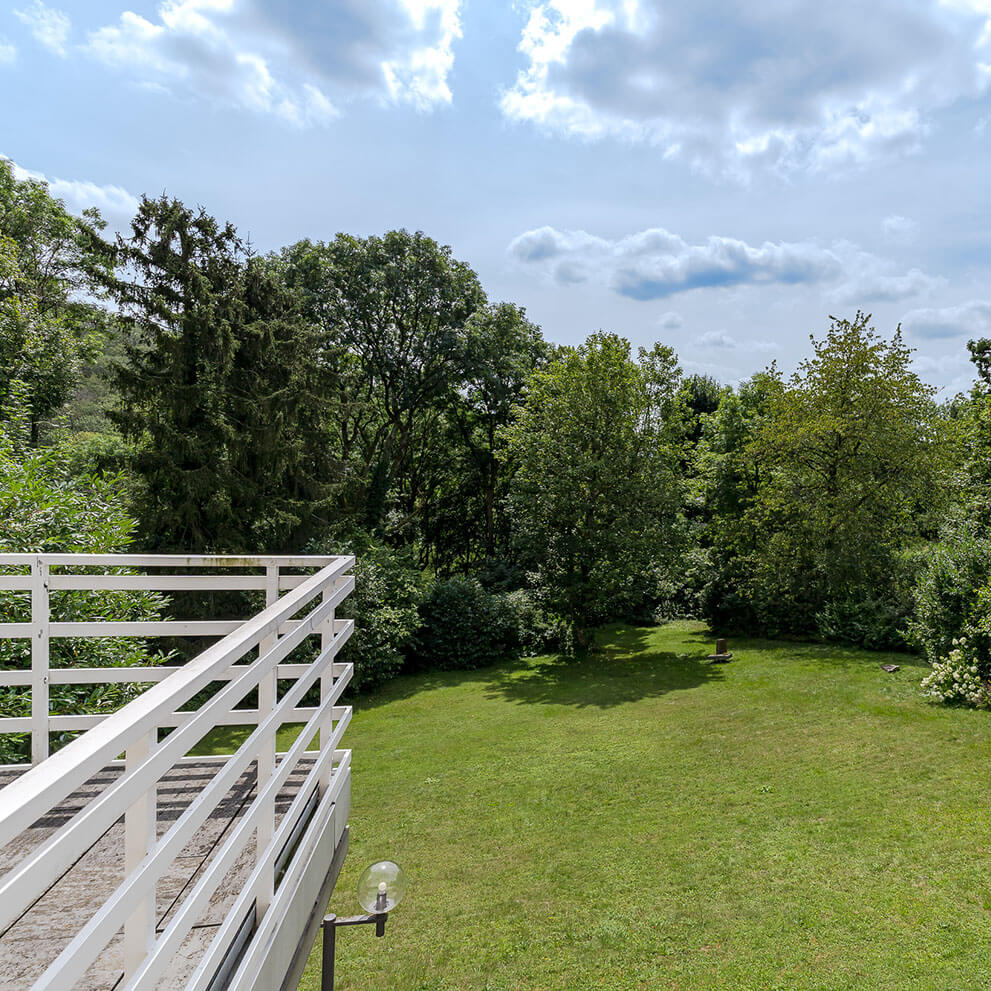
[(640, 818)]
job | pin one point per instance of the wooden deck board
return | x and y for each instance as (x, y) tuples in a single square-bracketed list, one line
[(34, 940)]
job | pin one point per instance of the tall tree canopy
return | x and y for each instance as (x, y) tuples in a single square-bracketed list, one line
[(220, 388), (841, 473), (54, 270), (392, 313), (595, 497)]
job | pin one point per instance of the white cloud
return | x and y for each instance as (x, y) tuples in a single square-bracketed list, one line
[(971, 319), (899, 229), (876, 280), (670, 320), (718, 339), (50, 27), (729, 85), (8, 53), (655, 264), (953, 369), (116, 204), (296, 61)]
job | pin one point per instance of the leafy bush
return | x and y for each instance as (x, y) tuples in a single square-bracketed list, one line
[(958, 678), (680, 590), (872, 621), (875, 618), (464, 626), (383, 605), (46, 508), (536, 631), (724, 603), (946, 592), (952, 624)]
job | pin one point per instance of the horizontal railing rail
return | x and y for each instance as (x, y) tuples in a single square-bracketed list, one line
[(252, 658), (48, 573)]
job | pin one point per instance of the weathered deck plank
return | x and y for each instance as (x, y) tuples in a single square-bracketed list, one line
[(31, 943)]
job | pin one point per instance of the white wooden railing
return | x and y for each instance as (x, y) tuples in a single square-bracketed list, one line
[(252, 654)]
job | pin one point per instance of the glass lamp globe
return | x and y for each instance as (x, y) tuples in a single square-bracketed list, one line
[(381, 887)]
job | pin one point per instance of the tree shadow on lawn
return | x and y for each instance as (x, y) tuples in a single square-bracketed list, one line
[(410, 684), (836, 655), (622, 668)]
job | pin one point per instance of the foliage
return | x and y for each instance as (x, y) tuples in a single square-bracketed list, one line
[(872, 621), (946, 592), (221, 389), (54, 268), (464, 626), (534, 630), (468, 525), (47, 508), (390, 314), (958, 678), (595, 498), (843, 469), (383, 605)]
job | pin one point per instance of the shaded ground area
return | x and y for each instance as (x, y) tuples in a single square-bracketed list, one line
[(29, 945), (638, 819)]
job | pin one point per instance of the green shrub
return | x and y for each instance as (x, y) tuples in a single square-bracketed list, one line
[(464, 626), (47, 508), (946, 592), (681, 589), (724, 603), (383, 605), (536, 631), (875, 618), (872, 621), (958, 678)]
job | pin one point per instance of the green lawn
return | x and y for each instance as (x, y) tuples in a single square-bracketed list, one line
[(640, 819)]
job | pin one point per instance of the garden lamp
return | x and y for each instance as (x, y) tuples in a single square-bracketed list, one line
[(381, 888)]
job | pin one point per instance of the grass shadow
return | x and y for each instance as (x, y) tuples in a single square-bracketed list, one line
[(405, 686), (623, 668)]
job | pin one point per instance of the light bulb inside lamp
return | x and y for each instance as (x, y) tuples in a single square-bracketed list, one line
[(381, 887)]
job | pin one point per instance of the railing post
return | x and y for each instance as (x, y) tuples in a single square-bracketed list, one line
[(267, 697), (139, 838), (40, 629), (326, 686)]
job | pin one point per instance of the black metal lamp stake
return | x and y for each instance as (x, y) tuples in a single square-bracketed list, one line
[(385, 900)]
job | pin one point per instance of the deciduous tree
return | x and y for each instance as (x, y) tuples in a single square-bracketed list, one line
[(595, 496)]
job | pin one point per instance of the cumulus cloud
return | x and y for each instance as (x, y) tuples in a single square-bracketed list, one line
[(296, 61), (50, 27), (8, 53), (970, 319), (875, 280), (718, 339), (953, 369), (899, 229), (116, 205), (655, 264), (670, 320), (729, 85)]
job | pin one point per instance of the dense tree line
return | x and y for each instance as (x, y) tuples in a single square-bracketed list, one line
[(502, 493)]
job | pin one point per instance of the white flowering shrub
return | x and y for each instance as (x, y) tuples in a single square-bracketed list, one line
[(957, 678)]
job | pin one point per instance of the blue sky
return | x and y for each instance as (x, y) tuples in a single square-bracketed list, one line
[(716, 175)]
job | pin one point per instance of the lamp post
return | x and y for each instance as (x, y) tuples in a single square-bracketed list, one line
[(381, 888)]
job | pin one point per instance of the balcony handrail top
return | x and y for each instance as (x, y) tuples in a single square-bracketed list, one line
[(172, 560), (36, 791)]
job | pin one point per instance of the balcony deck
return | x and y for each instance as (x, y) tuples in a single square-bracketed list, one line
[(124, 860), (31, 943)]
